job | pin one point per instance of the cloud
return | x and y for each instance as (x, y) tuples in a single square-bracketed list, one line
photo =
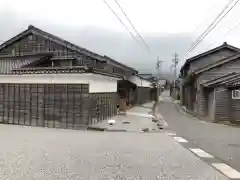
[(117, 45)]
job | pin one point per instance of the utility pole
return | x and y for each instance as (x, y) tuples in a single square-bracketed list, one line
[(158, 66), (175, 61)]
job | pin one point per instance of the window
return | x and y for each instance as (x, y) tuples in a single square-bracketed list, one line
[(30, 37), (13, 52), (235, 94)]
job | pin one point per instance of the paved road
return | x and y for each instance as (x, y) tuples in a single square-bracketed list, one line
[(135, 119), (39, 153), (223, 142)]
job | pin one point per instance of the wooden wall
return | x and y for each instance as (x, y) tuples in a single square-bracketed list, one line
[(48, 105)]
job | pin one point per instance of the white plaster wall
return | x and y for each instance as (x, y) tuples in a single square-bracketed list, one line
[(140, 82), (97, 83), (146, 83), (162, 82), (136, 80)]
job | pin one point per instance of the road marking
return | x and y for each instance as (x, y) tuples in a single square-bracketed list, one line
[(171, 134), (227, 170), (181, 140), (201, 153)]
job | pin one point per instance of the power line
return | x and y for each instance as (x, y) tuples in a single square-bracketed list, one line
[(203, 20), (212, 25), (143, 41), (226, 34), (121, 21)]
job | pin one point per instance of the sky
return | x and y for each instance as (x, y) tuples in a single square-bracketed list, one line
[(166, 26)]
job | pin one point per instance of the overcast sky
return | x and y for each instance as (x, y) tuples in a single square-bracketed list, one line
[(167, 26)]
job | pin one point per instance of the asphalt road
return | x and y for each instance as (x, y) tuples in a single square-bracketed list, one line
[(41, 153), (222, 141)]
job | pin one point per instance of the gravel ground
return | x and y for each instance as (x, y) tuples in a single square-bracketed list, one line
[(41, 153)]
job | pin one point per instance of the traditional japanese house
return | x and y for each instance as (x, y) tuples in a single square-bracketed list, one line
[(204, 80), (47, 81)]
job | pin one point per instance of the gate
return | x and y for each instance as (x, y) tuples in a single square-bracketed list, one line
[(46, 105), (102, 106)]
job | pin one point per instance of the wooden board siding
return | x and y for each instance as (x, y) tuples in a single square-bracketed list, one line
[(222, 105), (212, 58), (103, 106), (202, 102), (211, 104), (235, 108), (142, 95), (233, 66), (36, 44), (47, 105)]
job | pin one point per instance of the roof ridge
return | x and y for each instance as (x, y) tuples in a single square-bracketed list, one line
[(217, 63), (32, 28), (109, 58), (224, 45), (220, 77), (65, 41)]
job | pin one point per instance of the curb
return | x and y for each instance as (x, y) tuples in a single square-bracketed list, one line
[(120, 130), (96, 129), (105, 129)]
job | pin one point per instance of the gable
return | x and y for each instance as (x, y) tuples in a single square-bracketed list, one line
[(232, 66), (211, 58), (32, 43), (208, 57), (53, 39)]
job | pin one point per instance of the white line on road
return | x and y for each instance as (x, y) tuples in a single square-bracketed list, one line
[(201, 153), (171, 134), (227, 170), (181, 140)]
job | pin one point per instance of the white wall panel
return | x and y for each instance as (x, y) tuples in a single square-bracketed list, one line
[(97, 83), (140, 82)]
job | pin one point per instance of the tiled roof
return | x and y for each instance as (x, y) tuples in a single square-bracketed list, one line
[(221, 80), (61, 70), (120, 64), (7, 65), (224, 45), (216, 64), (34, 30)]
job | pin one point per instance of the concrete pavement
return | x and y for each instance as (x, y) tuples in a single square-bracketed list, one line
[(221, 141), (136, 119), (31, 153)]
